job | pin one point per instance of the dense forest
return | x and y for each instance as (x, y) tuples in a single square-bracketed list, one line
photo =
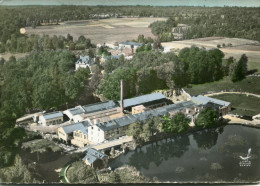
[(204, 22), (41, 81)]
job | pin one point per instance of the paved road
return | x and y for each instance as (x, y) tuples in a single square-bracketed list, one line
[(234, 119), (245, 93), (107, 145)]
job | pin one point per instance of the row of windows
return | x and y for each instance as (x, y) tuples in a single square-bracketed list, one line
[(54, 122)]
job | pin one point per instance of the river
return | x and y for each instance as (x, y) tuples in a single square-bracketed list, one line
[(208, 155)]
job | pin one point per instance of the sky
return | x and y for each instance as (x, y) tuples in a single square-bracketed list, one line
[(207, 3)]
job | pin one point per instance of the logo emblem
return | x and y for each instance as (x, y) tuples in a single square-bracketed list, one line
[(245, 162)]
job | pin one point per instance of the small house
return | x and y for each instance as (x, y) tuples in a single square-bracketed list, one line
[(76, 133), (84, 62), (95, 158), (52, 118)]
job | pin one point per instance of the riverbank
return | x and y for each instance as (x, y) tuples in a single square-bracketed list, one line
[(238, 121)]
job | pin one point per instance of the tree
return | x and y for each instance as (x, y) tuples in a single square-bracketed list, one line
[(239, 69), (157, 44), (146, 132), (135, 130), (179, 123), (148, 47), (110, 87), (69, 38), (206, 118), (171, 22), (91, 53), (114, 177), (150, 82), (180, 77), (227, 66), (72, 87), (79, 172)]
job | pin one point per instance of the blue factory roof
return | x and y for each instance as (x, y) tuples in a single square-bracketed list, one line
[(52, 115), (86, 60), (127, 120), (100, 106), (82, 126), (204, 100), (92, 155), (76, 110), (131, 43), (142, 99)]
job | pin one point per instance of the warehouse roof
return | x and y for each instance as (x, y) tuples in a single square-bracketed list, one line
[(204, 100), (127, 120), (142, 99), (82, 126), (100, 106), (77, 110), (52, 115), (92, 155)]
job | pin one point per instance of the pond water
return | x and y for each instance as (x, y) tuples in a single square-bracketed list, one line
[(207, 155)]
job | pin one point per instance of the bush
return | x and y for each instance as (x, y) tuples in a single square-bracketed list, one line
[(79, 172), (207, 118)]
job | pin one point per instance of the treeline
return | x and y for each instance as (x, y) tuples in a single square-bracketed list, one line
[(38, 43), (144, 131), (163, 29), (146, 72), (41, 81), (204, 22), (149, 71)]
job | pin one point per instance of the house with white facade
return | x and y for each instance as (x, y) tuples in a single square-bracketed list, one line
[(52, 118), (116, 128), (129, 44), (84, 62)]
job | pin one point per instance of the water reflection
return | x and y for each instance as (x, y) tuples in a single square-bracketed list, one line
[(158, 152), (208, 155), (208, 138)]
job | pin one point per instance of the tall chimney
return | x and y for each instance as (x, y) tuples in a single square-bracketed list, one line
[(122, 96)]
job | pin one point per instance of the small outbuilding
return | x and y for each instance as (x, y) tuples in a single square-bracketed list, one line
[(52, 118), (95, 158)]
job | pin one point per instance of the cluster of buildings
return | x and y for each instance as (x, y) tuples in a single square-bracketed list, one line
[(105, 121), (127, 49)]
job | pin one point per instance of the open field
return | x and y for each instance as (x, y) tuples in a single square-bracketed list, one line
[(102, 30), (250, 84), (242, 104), (239, 46)]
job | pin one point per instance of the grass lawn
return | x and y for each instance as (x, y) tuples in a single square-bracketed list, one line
[(250, 84), (254, 65), (242, 104)]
